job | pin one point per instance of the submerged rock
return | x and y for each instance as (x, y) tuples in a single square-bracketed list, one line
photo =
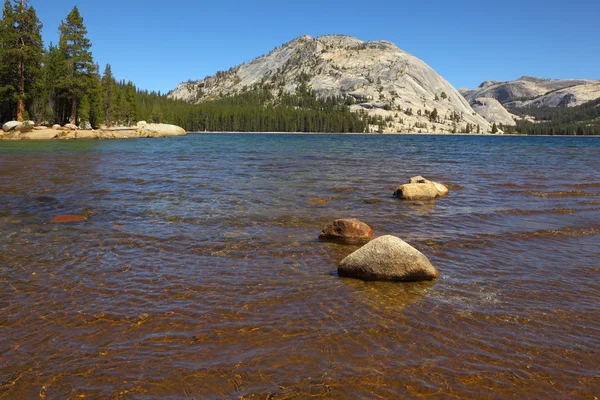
[(387, 258), (348, 230), (68, 218), (420, 188)]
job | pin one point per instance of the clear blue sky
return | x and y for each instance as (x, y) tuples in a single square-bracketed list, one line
[(158, 44)]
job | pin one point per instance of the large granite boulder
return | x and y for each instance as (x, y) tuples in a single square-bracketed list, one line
[(159, 130), (72, 127), (11, 126), (42, 134), (420, 188), (86, 134), (348, 230), (387, 258)]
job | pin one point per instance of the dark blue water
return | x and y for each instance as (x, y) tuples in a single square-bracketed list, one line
[(197, 273)]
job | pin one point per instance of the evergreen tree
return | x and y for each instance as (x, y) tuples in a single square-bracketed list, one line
[(28, 53), (8, 66), (21, 56), (132, 104), (433, 117), (494, 128), (50, 105), (79, 66), (109, 89)]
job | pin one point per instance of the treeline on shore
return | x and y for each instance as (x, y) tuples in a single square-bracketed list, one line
[(255, 110), (62, 84), (580, 120)]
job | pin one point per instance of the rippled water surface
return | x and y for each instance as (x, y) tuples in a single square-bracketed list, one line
[(197, 273)]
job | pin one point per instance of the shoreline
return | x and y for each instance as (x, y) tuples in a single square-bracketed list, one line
[(141, 130), (387, 134), (135, 133)]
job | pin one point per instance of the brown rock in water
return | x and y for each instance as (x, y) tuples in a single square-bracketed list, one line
[(420, 188), (68, 218), (319, 201), (387, 258), (344, 190), (348, 230)]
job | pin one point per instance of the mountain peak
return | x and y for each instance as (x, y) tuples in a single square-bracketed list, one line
[(373, 77)]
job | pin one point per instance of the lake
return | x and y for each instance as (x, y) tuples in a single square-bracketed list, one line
[(198, 274)]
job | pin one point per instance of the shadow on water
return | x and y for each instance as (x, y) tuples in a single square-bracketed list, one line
[(387, 297)]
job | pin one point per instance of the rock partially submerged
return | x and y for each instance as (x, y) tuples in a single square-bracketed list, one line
[(159, 130), (387, 258), (347, 230), (68, 218), (40, 134), (420, 188)]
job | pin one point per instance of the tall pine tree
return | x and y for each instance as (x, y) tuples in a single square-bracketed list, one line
[(7, 62), (22, 50), (79, 66)]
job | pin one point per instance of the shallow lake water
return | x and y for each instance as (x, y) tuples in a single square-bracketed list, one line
[(197, 272)]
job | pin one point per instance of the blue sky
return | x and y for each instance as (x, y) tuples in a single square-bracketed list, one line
[(158, 44)]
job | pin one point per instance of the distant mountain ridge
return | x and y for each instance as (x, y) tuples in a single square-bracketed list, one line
[(492, 98), (530, 91), (375, 78)]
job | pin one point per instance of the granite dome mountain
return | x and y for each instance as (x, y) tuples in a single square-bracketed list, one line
[(376, 78)]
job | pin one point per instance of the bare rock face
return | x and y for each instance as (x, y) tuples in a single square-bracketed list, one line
[(529, 91), (387, 258), (375, 77), (420, 188), (349, 230), (493, 111)]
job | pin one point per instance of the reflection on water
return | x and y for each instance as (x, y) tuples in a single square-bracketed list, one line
[(196, 272)]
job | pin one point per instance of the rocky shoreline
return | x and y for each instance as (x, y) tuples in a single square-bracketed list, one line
[(14, 131)]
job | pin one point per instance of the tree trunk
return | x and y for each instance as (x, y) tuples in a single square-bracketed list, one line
[(21, 100), (74, 112)]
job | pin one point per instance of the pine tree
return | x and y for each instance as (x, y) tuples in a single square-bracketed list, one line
[(21, 57), (48, 104), (433, 117), (109, 89), (7, 61), (494, 128), (131, 105), (79, 66), (28, 53)]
